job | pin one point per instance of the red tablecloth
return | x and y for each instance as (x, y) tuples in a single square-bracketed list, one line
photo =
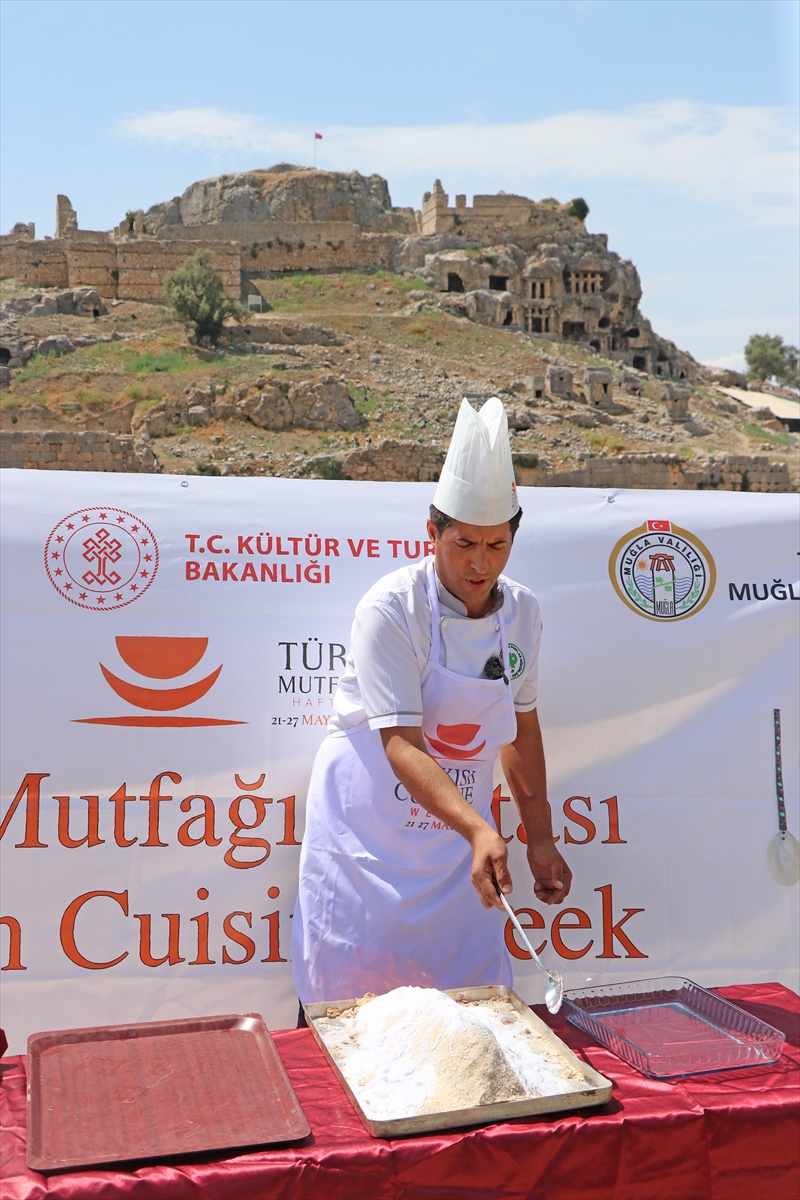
[(728, 1136)]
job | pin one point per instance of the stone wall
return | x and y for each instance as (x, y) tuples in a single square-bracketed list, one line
[(261, 232), (413, 461), (320, 406), (74, 450), (131, 270), (306, 247), (93, 264), (35, 264), (726, 473), (134, 268), (66, 217), (394, 461), (499, 218), (143, 264)]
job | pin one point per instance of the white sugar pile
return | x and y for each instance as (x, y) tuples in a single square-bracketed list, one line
[(415, 1050)]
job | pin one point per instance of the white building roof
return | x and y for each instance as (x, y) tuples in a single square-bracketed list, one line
[(779, 406)]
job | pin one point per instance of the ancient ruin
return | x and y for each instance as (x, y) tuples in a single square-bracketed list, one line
[(505, 260), (368, 323)]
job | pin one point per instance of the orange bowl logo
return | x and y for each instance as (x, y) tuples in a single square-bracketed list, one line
[(451, 742), (101, 558), (160, 658)]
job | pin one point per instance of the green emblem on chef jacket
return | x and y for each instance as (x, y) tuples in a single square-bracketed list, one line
[(516, 660)]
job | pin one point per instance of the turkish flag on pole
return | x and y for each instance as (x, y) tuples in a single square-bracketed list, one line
[(318, 135)]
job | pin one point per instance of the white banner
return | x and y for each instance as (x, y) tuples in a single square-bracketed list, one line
[(170, 652)]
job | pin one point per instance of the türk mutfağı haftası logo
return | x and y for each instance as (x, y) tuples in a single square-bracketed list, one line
[(662, 572), (159, 658), (101, 558), (453, 742)]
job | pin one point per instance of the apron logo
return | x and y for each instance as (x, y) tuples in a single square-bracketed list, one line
[(101, 558), (516, 660), (160, 658), (662, 572), (452, 739)]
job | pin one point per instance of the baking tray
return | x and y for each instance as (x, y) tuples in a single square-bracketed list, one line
[(598, 1088), (670, 1026), (117, 1093)]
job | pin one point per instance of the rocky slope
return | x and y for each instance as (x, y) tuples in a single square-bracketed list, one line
[(344, 362)]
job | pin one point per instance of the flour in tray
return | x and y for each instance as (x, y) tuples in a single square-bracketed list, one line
[(415, 1050), (537, 1062)]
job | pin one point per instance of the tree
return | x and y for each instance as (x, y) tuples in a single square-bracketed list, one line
[(770, 357), (579, 208), (197, 294)]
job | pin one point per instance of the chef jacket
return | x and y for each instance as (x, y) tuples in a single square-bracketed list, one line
[(390, 643)]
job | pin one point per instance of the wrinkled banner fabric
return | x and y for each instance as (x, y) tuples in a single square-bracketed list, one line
[(170, 652)]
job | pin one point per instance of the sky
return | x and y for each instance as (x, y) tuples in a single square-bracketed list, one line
[(677, 120)]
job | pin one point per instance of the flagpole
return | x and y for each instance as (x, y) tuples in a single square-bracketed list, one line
[(315, 151)]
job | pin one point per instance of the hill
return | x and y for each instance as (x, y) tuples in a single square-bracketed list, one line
[(361, 374)]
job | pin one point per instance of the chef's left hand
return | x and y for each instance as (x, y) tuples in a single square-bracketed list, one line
[(552, 877)]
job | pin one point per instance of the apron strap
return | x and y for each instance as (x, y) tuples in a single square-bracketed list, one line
[(433, 601), (504, 638), (436, 630)]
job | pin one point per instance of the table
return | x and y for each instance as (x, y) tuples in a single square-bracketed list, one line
[(732, 1135)]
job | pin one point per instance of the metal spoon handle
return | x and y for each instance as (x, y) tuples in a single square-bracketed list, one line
[(522, 934), (776, 717)]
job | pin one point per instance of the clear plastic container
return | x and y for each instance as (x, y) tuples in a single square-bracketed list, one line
[(670, 1026)]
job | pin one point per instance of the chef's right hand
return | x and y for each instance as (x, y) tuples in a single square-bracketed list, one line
[(489, 863)]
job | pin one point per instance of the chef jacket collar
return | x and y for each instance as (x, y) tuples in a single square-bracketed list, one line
[(454, 605)]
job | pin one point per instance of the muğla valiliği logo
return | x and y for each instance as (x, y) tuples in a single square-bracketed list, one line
[(662, 572)]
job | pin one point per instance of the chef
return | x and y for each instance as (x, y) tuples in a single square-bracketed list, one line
[(400, 854)]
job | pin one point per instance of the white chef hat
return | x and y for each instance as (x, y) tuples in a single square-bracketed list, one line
[(477, 480)]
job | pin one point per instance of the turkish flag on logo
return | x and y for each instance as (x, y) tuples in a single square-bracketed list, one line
[(659, 527)]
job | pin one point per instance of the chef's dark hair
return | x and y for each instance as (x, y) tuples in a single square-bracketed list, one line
[(441, 521)]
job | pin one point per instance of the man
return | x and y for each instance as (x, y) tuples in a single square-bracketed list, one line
[(400, 859)]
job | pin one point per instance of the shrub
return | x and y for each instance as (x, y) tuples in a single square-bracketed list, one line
[(579, 208), (143, 392), (331, 469), (149, 361), (411, 283), (771, 358), (196, 292), (39, 365), (767, 435), (95, 399)]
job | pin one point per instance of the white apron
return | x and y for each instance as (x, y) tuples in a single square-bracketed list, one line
[(385, 896)]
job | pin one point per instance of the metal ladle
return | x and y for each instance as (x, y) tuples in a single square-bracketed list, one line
[(554, 992)]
